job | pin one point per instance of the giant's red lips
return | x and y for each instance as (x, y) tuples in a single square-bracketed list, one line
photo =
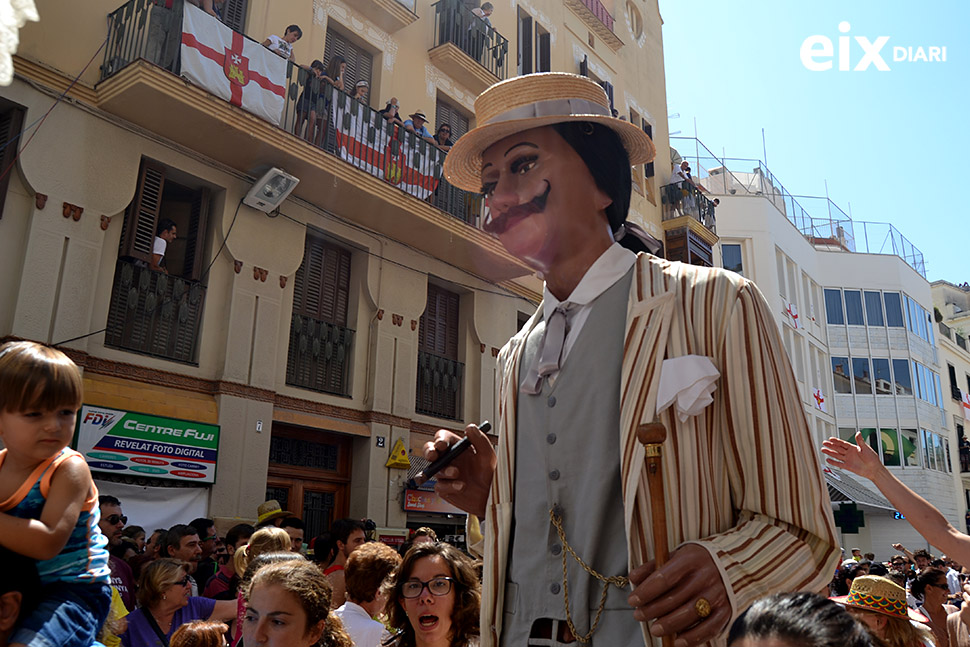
[(512, 215)]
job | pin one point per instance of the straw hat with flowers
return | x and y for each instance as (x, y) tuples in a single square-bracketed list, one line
[(532, 101), (878, 594)]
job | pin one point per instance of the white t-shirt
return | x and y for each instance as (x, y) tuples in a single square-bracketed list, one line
[(160, 246), (279, 46), (678, 175), (363, 630)]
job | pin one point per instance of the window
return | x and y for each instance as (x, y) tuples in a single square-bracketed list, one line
[(894, 310), (929, 458), (11, 121), (954, 389), (874, 308), (525, 42), (861, 375), (731, 256), (840, 371), (234, 14), (792, 282), (833, 307), (871, 437), (890, 447), (909, 447), (882, 378), (320, 343), (543, 50), (648, 170), (780, 266), (448, 113), (636, 20), (360, 62), (853, 308), (440, 374), (903, 378)]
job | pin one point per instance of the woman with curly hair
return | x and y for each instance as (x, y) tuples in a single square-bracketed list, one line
[(435, 598), (288, 605)]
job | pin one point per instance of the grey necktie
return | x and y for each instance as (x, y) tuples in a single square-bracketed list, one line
[(547, 359)]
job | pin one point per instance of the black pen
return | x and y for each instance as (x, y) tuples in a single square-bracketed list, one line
[(454, 451)]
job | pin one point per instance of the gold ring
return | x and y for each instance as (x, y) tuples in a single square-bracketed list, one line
[(702, 607)]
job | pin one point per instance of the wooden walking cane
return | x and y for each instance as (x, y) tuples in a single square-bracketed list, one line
[(652, 436)]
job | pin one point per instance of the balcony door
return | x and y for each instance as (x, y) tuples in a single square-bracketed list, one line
[(360, 62), (440, 374)]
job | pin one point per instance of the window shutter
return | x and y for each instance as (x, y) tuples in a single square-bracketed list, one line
[(543, 50), (438, 332), (446, 113), (234, 15), (608, 87), (360, 62), (11, 121), (525, 43), (322, 288), (194, 245), (648, 167), (142, 215)]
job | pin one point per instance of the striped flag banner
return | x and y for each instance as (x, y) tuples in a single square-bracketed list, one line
[(231, 66), (382, 148)]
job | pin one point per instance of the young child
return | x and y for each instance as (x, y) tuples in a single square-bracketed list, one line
[(48, 502), (284, 46)]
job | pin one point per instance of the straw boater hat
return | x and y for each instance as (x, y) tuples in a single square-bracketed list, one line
[(880, 595), (532, 101), (270, 510)]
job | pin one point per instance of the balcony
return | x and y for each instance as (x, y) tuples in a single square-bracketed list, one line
[(389, 15), (319, 355), (154, 314), (363, 168), (688, 221), (598, 19), (440, 386), (467, 49)]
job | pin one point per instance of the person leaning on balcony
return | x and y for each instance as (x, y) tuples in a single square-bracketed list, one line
[(284, 46), (623, 338), (416, 125), (334, 75), (361, 91), (442, 138), (478, 30), (391, 110), (309, 106), (164, 234)]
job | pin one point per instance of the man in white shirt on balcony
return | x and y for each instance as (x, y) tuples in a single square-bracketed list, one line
[(164, 234)]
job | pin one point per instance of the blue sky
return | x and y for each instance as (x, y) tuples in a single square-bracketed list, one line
[(890, 143)]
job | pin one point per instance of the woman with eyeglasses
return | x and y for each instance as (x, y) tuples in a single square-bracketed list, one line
[(435, 598), (442, 138), (164, 596), (932, 592)]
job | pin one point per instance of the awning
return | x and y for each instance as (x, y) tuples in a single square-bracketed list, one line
[(845, 489)]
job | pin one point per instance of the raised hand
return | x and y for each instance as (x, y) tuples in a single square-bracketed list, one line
[(858, 458)]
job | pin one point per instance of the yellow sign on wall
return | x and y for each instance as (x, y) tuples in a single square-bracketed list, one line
[(399, 456)]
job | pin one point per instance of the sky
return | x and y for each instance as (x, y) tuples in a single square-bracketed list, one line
[(888, 143)]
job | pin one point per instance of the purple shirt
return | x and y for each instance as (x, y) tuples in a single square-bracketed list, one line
[(123, 580), (140, 633)]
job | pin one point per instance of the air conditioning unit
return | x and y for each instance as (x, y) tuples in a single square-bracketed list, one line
[(270, 190)]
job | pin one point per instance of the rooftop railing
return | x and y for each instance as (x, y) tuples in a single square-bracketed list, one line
[(820, 221), (313, 109), (455, 23)]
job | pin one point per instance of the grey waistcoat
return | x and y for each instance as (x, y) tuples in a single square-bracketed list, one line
[(568, 455)]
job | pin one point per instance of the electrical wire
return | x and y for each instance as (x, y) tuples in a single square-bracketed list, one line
[(40, 122)]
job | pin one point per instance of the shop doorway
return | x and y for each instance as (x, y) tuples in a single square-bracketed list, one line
[(309, 474)]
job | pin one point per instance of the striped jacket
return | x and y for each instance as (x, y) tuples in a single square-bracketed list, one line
[(742, 477)]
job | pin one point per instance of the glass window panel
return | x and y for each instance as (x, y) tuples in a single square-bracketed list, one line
[(861, 375), (731, 256), (946, 451), (902, 377), (890, 447), (840, 371), (927, 450), (833, 307), (853, 308), (780, 264), (894, 310), (939, 392), (938, 451), (847, 433), (874, 308), (930, 335), (792, 283), (911, 316), (920, 321), (910, 447), (871, 437), (883, 380)]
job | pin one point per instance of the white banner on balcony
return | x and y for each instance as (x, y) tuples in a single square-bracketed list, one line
[(232, 66), (966, 406), (819, 398), (363, 140)]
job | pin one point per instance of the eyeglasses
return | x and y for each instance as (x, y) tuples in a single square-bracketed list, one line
[(182, 582), (944, 586), (113, 519), (436, 586)]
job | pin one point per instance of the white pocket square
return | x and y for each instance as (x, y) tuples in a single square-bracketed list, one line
[(687, 382)]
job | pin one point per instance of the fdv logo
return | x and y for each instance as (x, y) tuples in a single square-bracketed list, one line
[(817, 53), (99, 418)]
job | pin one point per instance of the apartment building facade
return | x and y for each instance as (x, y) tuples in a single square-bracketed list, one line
[(290, 353), (859, 330)]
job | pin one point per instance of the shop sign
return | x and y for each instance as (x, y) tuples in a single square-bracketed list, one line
[(393, 537), (137, 444), (421, 501)]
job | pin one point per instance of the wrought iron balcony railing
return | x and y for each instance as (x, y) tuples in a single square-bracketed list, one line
[(440, 386), (319, 355), (455, 23), (685, 199), (153, 313)]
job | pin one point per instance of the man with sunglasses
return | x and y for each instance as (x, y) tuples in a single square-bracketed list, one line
[(112, 522)]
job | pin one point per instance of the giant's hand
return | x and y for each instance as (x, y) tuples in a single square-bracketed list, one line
[(858, 458), (670, 595), (466, 482)]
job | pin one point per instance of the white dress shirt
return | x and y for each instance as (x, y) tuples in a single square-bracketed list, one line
[(363, 630)]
